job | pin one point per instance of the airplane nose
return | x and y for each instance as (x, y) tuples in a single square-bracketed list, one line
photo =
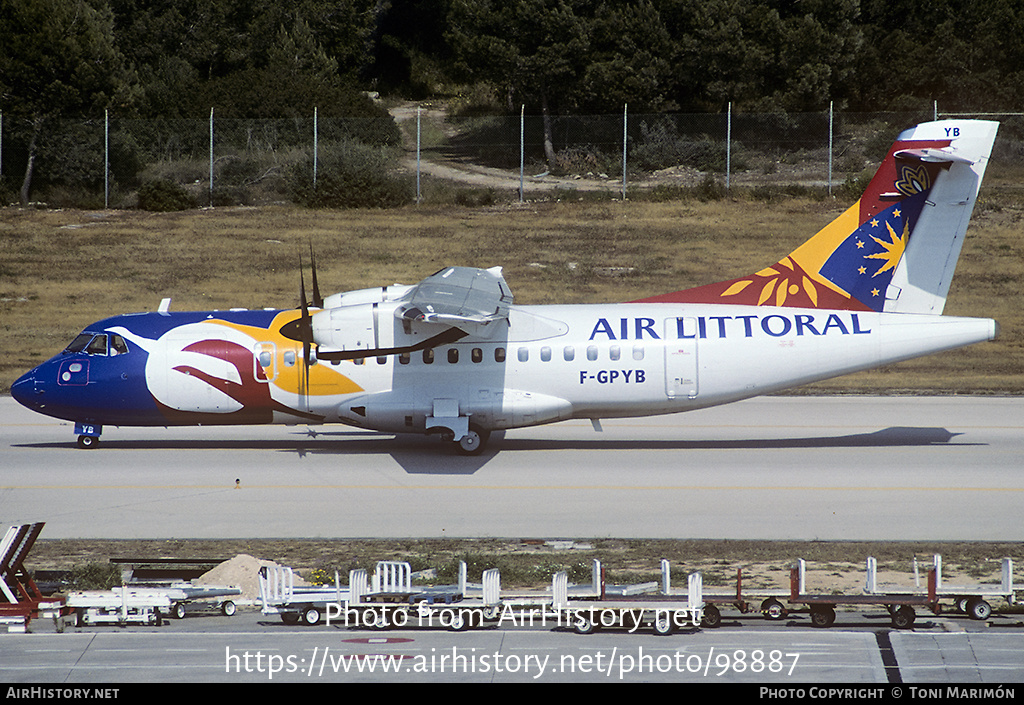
[(24, 389)]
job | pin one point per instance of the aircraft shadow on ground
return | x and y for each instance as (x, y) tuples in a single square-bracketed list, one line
[(424, 455)]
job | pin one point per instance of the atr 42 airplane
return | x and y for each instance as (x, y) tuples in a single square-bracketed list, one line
[(452, 355)]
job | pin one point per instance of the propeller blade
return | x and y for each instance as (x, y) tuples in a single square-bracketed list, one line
[(318, 300)]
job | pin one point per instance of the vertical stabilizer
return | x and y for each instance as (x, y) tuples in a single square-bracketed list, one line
[(896, 248)]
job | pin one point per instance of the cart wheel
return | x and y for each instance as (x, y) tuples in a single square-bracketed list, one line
[(290, 617), (712, 617), (961, 603), (311, 616), (583, 624), (977, 608), (823, 615), (662, 624), (459, 621), (178, 610), (228, 608), (903, 617), (773, 609)]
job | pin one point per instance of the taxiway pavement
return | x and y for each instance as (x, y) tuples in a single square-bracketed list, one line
[(828, 468)]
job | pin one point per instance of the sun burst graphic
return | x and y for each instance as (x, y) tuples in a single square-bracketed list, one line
[(892, 250)]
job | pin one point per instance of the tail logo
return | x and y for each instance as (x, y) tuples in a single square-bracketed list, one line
[(913, 181)]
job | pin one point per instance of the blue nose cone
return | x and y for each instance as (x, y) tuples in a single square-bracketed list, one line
[(24, 390)]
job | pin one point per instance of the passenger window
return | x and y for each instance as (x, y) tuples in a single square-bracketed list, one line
[(289, 358), (613, 352), (524, 354), (569, 353), (499, 354), (453, 355), (545, 354), (404, 359), (428, 356), (266, 359), (382, 359), (118, 346), (638, 352), (591, 352), (477, 355), (98, 345)]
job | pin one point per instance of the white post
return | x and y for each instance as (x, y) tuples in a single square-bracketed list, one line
[(695, 597), (871, 582), (830, 143), (935, 110), (625, 108), (666, 577), (560, 590), (316, 145), (211, 157), (492, 586), (728, 144), (419, 111), (522, 147), (106, 158)]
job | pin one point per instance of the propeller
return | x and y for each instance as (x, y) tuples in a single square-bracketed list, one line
[(301, 328)]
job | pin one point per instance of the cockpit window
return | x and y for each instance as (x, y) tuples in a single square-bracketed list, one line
[(117, 345), (79, 343), (97, 346)]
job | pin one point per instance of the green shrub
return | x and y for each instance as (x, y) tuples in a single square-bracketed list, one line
[(162, 195), (351, 175), (95, 576)]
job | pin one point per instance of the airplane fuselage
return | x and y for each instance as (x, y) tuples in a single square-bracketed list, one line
[(544, 364)]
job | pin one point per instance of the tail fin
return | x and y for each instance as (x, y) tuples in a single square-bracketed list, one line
[(893, 250)]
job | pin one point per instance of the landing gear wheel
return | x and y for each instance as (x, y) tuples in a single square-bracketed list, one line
[(823, 615), (977, 608), (473, 442), (88, 442), (773, 609), (712, 617), (903, 618)]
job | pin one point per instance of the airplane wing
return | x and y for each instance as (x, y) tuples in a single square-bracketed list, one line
[(459, 301), (461, 297)]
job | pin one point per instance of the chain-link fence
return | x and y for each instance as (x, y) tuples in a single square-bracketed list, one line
[(163, 163)]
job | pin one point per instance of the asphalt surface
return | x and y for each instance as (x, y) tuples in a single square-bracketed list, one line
[(828, 468), (253, 648)]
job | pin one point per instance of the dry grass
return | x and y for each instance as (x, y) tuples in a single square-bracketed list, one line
[(63, 269), (837, 565)]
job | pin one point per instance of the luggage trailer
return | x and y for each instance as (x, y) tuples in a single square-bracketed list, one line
[(823, 607), (967, 599), (20, 598), (389, 601)]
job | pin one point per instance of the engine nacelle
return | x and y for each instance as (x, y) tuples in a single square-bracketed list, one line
[(373, 295), (366, 326)]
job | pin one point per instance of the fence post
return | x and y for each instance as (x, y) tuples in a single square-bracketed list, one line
[(625, 108), (316, 144), (522, 147), (211, 157), (106, 158), (830, 143), (419, 111), (1, 144), (728, 144)]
